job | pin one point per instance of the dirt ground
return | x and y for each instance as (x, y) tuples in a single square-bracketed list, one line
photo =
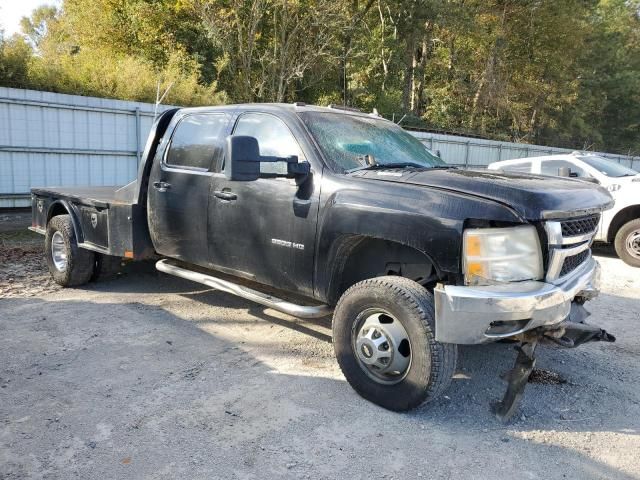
[(149, 376)]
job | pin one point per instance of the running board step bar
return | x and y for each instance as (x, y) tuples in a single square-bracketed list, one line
[(302, 311)]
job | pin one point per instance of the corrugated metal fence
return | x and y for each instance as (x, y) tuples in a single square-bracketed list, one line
[(52, 139), (477, 152)]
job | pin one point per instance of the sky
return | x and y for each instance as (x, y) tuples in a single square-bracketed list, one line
[(11, 11)]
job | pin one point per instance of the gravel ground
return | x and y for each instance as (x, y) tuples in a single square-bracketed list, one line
[(149, 376)]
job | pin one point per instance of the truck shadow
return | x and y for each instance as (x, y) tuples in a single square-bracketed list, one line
[(604, 250)]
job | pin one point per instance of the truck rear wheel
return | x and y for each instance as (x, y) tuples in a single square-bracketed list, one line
[(627, 243), (383, 337), (68, 264)]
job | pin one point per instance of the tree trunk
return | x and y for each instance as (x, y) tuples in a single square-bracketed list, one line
[(407, 88)]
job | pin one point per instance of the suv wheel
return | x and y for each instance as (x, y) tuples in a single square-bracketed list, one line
[(627, 243), (383, 336), (68, 264)]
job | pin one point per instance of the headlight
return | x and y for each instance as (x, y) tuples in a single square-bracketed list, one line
[(496, 255)]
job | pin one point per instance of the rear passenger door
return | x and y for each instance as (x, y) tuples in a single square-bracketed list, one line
[(179, 186)]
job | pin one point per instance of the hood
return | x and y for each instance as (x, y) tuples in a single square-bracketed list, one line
[(533, 197)]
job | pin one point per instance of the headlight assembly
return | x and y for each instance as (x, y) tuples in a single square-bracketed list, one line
[(497, 255)]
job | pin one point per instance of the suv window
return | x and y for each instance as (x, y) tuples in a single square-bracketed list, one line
[(551, 167), (274, 138), (197, 141), (524, 167)]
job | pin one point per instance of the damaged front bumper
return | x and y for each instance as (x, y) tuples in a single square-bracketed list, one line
[(472, 315)]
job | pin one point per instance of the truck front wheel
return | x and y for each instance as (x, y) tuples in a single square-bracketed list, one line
[(627, 243), (68, 264), (383, 337)]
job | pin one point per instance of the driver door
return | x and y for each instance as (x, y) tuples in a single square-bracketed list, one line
[(264, 230)]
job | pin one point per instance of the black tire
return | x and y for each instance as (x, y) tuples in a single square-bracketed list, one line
[(106, 266), (627, 243), (80, 262), (432, 363)]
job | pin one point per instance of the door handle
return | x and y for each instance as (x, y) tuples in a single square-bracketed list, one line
[(225, 195), (161, 186)]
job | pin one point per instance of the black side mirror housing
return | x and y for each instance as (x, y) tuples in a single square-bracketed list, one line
[(295, 169), (243, 159)]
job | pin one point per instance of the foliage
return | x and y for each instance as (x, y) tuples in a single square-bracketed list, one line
[(542, 71)]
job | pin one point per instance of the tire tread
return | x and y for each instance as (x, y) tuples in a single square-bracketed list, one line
[(80, 262)]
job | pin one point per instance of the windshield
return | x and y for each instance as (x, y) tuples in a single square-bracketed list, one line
[(608, 167), (349, 141)]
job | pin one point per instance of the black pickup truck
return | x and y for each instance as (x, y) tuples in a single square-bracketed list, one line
[(313, 211)]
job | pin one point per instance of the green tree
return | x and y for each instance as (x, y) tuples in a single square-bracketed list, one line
[(561, 73)]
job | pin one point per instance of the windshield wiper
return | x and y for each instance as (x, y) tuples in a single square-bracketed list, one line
[(382, 166)]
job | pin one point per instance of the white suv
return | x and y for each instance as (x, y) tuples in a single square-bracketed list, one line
[(619, 225)]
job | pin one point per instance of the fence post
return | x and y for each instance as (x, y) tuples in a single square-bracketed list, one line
[(466, 155), (499, 151), (138, 134)]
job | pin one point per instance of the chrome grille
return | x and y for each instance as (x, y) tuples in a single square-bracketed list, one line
[(569, 245), (573, 262), (580, 226)]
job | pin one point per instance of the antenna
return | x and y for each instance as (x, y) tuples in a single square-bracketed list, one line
[(160, 98)]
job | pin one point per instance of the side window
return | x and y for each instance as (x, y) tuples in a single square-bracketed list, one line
[(198, 142), (524, 167), (274, 138), (551, 167)]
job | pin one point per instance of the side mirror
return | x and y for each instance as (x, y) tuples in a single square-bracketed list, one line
[(242, 158), (564, 172)]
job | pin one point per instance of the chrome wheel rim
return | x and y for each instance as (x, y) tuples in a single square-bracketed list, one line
[(633, 244), (382, 347), (58, 252)]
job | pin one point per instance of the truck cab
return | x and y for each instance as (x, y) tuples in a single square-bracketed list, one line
[(318, 211), (619, 225)]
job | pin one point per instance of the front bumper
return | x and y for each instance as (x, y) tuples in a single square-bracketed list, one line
[(471, 315)]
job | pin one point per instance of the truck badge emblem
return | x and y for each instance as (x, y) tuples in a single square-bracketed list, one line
[(94, 220), (288, 244), (40, 206)]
